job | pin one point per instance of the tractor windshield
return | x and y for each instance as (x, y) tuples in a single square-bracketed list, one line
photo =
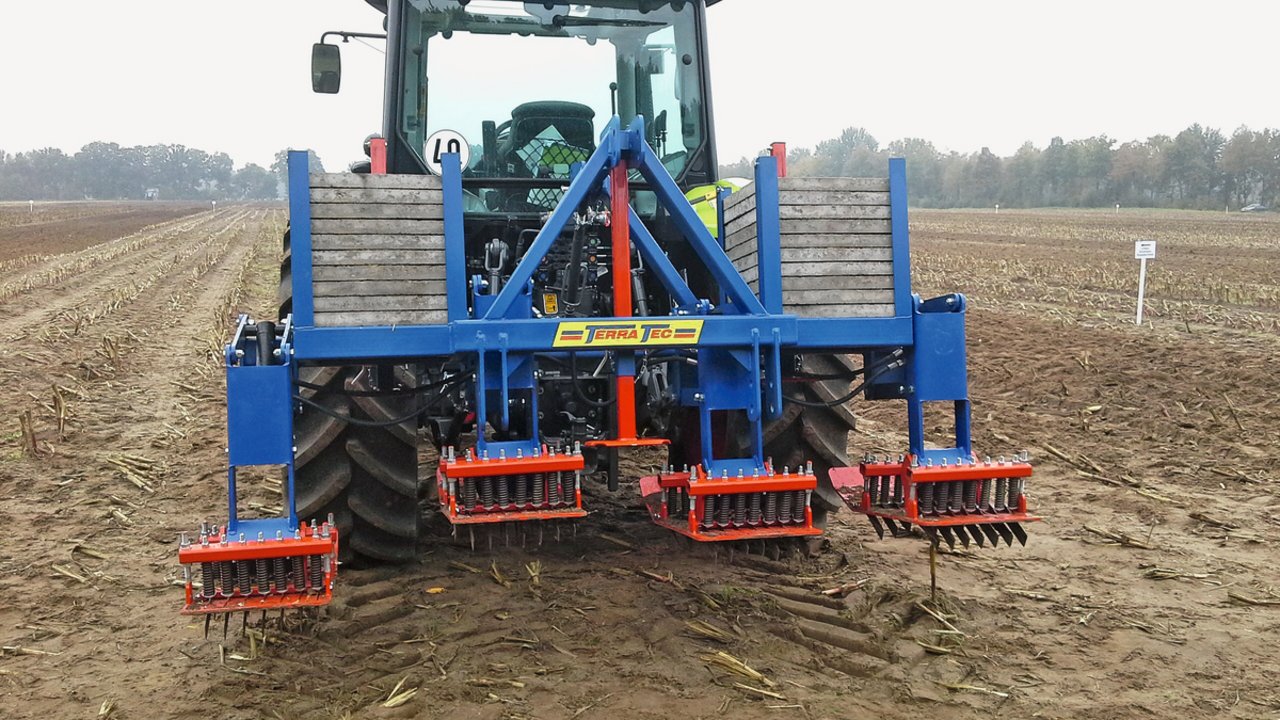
[(530, 86)]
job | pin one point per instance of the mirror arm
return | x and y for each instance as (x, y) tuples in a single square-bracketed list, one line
[(346, 35)]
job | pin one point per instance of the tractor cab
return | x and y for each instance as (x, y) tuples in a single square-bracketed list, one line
[(522, 90)]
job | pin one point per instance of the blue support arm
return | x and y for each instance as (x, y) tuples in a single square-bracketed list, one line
[(657, 261), (686, 220)]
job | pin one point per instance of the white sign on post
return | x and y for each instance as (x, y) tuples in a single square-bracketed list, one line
[(1143, 250)]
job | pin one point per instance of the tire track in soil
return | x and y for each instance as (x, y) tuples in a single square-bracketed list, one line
[(122, 617)]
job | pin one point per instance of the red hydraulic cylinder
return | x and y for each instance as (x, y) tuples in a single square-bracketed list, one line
[(620, 206), (620, 225), (779, 152), (378, 156)]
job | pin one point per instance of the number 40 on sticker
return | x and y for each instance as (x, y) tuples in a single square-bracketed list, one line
[(441, 143)]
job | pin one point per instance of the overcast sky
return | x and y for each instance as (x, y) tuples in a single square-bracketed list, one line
[(234, 75)]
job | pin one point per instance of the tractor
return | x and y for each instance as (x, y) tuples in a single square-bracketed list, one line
[(537, 271)]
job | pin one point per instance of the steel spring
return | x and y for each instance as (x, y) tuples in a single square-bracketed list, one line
[(1015, 491), (957, 496), (988, 492), (770, 508), (297, 573), (208, 579), (469, 495), (280, 574), (262, 576), (244, 576), (798, 506), (539, 489), (486, 491), (970, 495), (522, 490), (553, 489), (739, 509), (673, 502), (316, 566), (886, 489), (873, 490), (1002, 492), (753, 509), (724, 511), (941, 496), (708, 512), (784, 507), (925, 492), (898, 489), (227, 578), (504, 490)]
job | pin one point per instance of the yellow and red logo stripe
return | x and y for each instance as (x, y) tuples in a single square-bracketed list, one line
[(627, 333)]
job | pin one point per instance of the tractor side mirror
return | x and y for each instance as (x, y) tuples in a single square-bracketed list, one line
[(326, 68)]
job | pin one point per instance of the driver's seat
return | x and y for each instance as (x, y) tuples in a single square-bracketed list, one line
[(550, 133)]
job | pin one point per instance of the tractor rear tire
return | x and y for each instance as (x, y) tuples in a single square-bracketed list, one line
[(367, 477), (817, 434)]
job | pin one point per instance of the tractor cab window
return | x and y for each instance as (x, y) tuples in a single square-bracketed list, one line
[(530, 86)]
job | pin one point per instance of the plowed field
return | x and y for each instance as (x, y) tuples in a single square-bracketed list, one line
[(1148, 592)]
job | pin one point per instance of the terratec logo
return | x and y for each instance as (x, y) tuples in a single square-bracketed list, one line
[(627, 333)]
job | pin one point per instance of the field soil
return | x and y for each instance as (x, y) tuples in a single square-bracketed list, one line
[(29, 233), (1149, 591)]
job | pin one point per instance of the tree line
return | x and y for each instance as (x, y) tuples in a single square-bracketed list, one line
[(108, 171), (1199, 167)]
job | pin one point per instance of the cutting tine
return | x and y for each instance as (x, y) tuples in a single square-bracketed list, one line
[(963, 535), (1019, 532), (207, 618), (977, 536), (1004, 533), (991, 534), (948, 536), (875, 523), (893, 527), (932, 534)]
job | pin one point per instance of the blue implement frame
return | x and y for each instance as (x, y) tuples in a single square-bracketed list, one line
[(744, 335)]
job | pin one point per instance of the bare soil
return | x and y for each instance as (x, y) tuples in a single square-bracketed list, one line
[(1148, 592), (55, 228)]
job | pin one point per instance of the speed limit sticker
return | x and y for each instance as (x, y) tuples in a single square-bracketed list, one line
[(441, 143)]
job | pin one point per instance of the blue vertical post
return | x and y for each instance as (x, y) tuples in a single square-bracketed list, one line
[(901, 243), (768, 237), (455, 258), (300, 237)]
